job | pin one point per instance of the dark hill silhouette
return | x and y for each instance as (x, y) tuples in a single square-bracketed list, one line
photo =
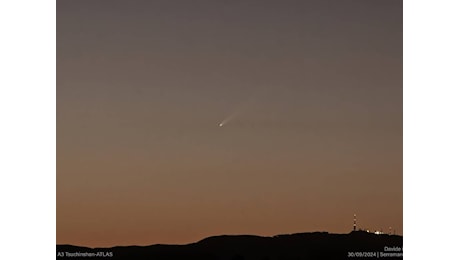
[(317, 245)]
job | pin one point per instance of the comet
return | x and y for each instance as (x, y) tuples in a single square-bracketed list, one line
[(237, 111), (230, 117)]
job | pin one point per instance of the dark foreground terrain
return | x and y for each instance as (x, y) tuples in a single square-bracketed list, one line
[(318, 245)]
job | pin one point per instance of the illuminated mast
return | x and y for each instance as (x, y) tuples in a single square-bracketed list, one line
[(354, 222)]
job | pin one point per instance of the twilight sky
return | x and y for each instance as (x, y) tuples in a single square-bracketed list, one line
[(315, 88)]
